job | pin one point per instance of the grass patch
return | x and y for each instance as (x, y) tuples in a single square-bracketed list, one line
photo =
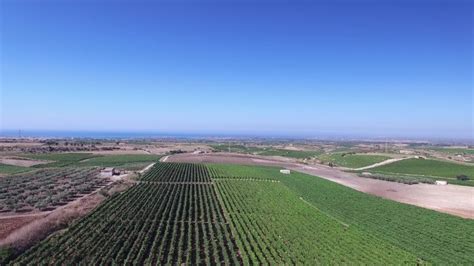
[(297, 154), (12, 169), (60, 159), (290, 153), (454, 150), (426, 167), (122, 160), (352, 160)]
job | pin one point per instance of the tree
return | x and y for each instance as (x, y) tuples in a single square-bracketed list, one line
[(463, 177)]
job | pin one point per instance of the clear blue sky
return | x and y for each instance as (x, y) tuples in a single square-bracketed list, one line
[(396, 68)]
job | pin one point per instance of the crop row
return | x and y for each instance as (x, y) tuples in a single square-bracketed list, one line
[(151, 223), (45, 189), (177, 172), (273, 226), (433, 236)]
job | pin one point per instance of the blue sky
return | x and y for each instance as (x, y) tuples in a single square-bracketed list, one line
[(386, 68)]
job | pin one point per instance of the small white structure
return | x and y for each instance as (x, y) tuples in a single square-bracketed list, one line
[(285, 171), (441, 182)]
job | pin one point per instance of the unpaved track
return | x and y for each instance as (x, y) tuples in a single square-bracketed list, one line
[(388, 161), (452, 199)]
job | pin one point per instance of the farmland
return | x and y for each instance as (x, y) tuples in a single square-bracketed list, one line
[(177, 172), (12, 169), (429, 168), (212, 214), (454, 150), (274, 226), (153, 222), (266, 151), (440, 238), (46, 189), (60, 159), (127, 161), (352, 160), (297, 154)]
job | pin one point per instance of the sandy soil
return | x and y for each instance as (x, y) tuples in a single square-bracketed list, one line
[(10, 224), (452, 199)]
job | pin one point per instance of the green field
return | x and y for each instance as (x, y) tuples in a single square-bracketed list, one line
[(274, 226), (454, 150), (297, 154), (290, 153), (12, 169), (127, 161), (440, 238), (183, 213), (426, 167), (59, 159), (236, 148), (352, 160)]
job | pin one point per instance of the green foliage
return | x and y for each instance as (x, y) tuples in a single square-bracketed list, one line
[(236, 148), (177, 172), (256, 216), (60, 159), (153, 223), (12, 169), (274, 226), (266, 151), (123, 161), (352, 160), (435, 237), (440, 238), (290, 153), (46, 188), (426, 167), (454, 150)]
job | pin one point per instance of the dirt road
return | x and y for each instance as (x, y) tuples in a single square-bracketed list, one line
[(452, 199), (389, 161)]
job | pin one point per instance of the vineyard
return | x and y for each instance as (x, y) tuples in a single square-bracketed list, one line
[(432, 236), (273, 226), (181, 213), (46, 189), (177, 172), (151, 223)]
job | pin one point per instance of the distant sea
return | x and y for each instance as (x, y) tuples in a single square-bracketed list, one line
[(93, 134), (84, 134)]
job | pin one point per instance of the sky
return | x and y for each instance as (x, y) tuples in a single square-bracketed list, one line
[(375, 68)]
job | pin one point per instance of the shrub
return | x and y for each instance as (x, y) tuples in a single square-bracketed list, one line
[(463, 177)]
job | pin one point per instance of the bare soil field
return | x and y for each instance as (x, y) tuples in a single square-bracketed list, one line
[(10, 224), (452, 199)]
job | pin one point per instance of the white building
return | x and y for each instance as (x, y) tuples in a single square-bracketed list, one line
[(441, 182), (285, 171)]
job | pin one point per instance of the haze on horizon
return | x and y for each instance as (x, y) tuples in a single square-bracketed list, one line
[(364, 67)]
